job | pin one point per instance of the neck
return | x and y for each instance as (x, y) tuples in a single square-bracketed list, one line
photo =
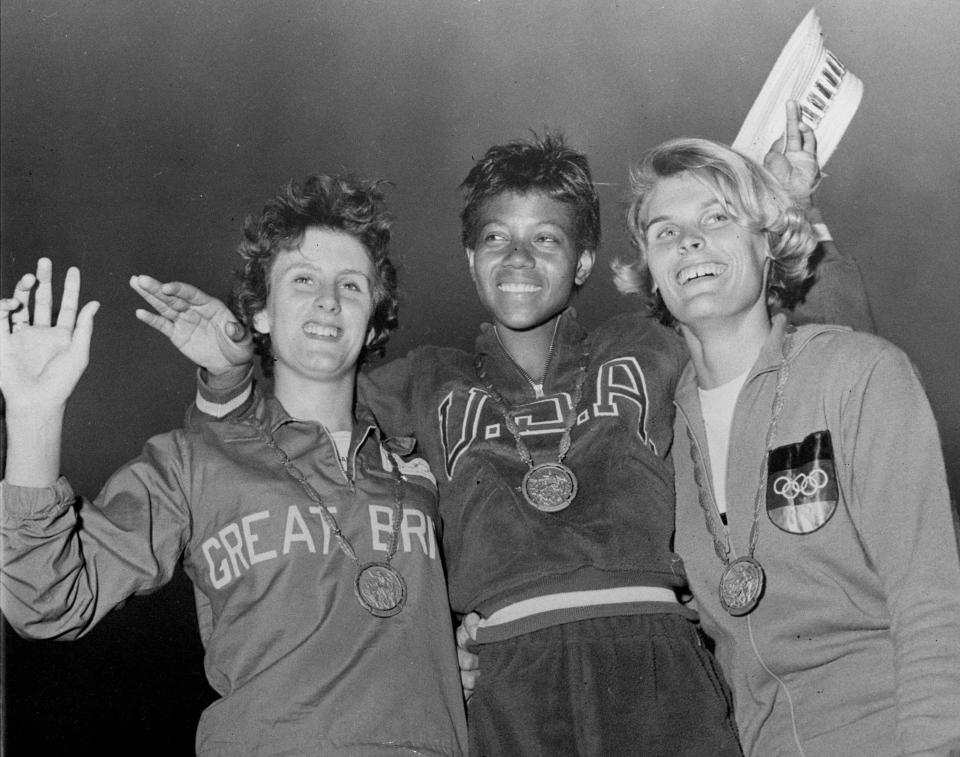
[(530, 349), (329, 403), (722, 349)]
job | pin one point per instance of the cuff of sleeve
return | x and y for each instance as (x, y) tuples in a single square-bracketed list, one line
[(220, 402), (29, 501)]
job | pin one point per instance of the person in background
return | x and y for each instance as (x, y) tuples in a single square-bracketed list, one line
[(813, 515), (310, 535)]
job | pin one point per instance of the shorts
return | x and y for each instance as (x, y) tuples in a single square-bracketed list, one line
[(623, 685)]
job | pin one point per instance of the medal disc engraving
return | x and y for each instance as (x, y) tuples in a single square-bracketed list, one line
[(380, 589), (741, 586), (549, 487)]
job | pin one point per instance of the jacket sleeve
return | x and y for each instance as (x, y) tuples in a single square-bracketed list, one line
[(68, 561), (907, 528), (216, 404), (838, 294), (390, 391)]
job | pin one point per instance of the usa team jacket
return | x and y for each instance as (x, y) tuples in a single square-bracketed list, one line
[(858, 632), (618, 531), (300, 666)]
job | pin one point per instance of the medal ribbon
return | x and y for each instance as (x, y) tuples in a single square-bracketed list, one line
[(509, 413), (720, 532), (345, 546)]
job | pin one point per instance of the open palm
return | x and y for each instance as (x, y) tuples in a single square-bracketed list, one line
[(41, 361)]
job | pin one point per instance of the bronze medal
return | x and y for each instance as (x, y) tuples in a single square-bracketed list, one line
[(549, 487), (380, 589), (741, 586)]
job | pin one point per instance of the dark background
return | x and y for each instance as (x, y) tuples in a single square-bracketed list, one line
[(136, 134)]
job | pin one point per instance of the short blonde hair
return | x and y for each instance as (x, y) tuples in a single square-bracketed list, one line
[(751, 195)]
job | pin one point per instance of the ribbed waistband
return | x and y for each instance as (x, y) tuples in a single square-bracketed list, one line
[(552, 609)]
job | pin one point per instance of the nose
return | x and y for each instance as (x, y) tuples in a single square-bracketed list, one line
[(691, 241), (327, 298), (520, 256)]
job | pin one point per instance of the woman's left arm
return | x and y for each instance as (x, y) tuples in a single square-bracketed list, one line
[(907, 524)]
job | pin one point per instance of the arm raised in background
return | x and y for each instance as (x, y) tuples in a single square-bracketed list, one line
[(838, 294)]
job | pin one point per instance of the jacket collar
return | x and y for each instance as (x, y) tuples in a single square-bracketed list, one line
[(268, 412)]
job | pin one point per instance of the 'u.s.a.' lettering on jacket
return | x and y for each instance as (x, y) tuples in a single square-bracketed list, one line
[(619, 386)]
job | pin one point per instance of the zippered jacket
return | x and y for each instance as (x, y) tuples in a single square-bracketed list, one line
[(854, 648), (300, 666)]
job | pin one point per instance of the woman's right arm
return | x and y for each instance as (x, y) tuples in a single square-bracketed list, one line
[(66, 563)]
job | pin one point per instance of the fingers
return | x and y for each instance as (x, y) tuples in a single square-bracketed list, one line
[(153, 292), (21, 295), (43, 298), (155, 321), (70, 299), (84, 330), (794, 141), (235, 331)]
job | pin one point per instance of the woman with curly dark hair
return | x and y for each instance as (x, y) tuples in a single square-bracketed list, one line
[(308, 534)]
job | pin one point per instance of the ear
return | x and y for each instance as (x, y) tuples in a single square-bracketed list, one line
[(261, 322), (584, 266), (470, 256)]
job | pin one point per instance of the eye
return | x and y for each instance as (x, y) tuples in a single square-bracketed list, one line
[(353, 285), (718, 217), (302, 279), (665, 233), (547, 239), (494, 237)]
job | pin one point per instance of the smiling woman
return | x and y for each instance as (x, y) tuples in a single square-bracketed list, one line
[(308, 535), (317, 315), (831, 586)]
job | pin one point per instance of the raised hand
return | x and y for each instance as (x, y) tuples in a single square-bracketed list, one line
[(41, 362), (793, 158), (198, 325)]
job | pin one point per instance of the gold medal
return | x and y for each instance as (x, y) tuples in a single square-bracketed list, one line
[(741, 586), (549, 487), (380, 589)]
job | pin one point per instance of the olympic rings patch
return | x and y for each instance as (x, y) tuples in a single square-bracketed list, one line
[(807, 484), (802, 490)]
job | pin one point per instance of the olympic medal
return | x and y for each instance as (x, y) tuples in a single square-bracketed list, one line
[(380, 589), (741, 586), (549, 487)]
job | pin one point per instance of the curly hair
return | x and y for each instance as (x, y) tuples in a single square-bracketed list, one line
[(541, 164), (750, 194), (339, 203)]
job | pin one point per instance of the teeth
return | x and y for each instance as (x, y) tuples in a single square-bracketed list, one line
[(519, 288), (697, 271), (317, 330)]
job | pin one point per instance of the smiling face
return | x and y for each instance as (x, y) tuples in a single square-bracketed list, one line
[(705, 265), (319, 306), (525, 263)]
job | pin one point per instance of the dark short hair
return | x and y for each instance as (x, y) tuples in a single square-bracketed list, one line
[(339, 203), (752, 196), (540, 164)]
